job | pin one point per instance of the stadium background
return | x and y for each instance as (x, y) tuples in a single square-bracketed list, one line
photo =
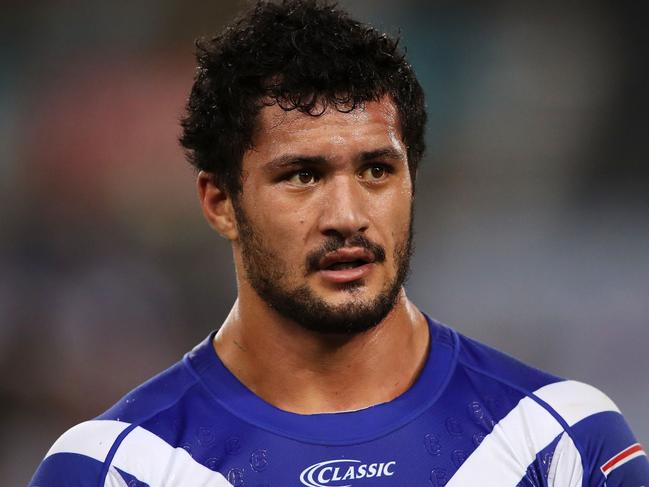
[(532, 228)]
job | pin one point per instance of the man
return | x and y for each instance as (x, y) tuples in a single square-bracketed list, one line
[(306, 128)]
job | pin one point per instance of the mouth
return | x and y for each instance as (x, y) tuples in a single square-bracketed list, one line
[(339, 266), (346, 265)]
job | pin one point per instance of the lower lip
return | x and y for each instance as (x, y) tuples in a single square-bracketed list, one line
[(343, 276)]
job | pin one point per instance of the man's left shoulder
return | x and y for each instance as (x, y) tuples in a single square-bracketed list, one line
[(585, 434), (501, 367), (596, 439), (569, 402)]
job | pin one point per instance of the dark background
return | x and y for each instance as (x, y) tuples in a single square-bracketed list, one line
[(532, 225)]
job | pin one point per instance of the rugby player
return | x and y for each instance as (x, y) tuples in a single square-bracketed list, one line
[(306, 128)]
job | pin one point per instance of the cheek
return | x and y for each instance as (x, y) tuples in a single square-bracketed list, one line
[(400, 231), (395, 212), (283, 229), (271, 212), (288, 218)]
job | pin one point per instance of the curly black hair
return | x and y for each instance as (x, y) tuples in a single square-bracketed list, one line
[(302, 55)]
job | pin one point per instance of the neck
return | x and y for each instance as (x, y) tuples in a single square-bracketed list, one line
[(306, 372)]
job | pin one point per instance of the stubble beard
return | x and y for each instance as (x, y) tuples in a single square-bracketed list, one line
[(265, 271)]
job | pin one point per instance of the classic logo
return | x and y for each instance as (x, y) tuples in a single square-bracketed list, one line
[(338, 473)]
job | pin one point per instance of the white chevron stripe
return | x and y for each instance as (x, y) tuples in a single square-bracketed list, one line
[(575, 401), (141, 454), (566, 469), (114, 479), (152, 460), (504, 455), (92, 439)]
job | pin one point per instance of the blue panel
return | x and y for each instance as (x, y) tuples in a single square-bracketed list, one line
[(634, 472), (501, 366), (67, 470), (130, 480), (601, 437)]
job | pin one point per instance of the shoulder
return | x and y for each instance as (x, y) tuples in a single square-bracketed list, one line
[(78, 457), (84, 454), (569, 402), (154, 395), (596, 442), (576, 425), (500, 367), (111, 453)]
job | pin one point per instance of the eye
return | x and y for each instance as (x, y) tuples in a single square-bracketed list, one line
[(375, 172), (303, 177)]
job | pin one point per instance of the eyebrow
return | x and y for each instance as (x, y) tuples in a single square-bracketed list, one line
[(383, 153), (293, 160)]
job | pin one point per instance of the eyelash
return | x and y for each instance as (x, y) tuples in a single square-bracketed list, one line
[(296, 174), (386, 168)]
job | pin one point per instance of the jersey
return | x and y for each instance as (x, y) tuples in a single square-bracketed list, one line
[(474, 416)]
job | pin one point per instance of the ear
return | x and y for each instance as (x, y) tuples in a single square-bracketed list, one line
[(217, 206)]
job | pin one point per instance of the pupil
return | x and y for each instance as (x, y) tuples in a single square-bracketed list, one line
[(377, 172), (305, 176)]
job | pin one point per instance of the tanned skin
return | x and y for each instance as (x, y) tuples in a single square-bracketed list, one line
[(358, 184)]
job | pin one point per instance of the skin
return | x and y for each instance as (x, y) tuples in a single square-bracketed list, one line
[(294, 208)]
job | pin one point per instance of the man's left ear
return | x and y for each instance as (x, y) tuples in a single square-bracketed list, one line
[(217, 206)]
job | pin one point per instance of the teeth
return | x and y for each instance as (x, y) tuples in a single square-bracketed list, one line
[(345, 265)]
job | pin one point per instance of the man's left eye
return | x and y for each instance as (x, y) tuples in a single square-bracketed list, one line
[(376, 172)]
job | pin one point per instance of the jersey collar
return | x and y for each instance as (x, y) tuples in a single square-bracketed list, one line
[(330, 428)]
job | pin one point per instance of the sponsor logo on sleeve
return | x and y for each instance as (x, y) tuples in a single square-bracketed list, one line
[(341, 472)]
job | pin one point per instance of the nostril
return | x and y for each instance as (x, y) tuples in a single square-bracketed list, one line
[(334, 234)]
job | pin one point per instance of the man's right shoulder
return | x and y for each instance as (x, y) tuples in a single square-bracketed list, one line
[(154, 396), (83, 456), (78, 457)]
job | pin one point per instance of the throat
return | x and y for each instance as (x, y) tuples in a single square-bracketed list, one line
[(303, 372), (323, 387)]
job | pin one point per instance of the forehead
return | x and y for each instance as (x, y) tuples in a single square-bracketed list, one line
[(374, 123)]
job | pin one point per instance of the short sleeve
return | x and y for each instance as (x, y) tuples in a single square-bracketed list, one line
[(597, 440), (613, 456), (78, 457)]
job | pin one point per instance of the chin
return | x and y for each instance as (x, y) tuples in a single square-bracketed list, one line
[(349, 292)]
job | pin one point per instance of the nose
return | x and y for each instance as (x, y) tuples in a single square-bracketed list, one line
[(344, 208)]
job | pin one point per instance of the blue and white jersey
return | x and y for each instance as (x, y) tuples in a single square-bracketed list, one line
[(474, 417)]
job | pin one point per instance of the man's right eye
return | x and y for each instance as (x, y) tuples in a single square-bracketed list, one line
[(303, 177)]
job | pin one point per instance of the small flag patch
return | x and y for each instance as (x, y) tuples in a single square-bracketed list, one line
[(626, 455)]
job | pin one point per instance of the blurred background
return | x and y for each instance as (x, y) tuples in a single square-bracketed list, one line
[(532, 225)]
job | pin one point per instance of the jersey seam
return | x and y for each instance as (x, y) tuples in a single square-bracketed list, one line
[(122, 436), (557, 417), (113, 450)]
